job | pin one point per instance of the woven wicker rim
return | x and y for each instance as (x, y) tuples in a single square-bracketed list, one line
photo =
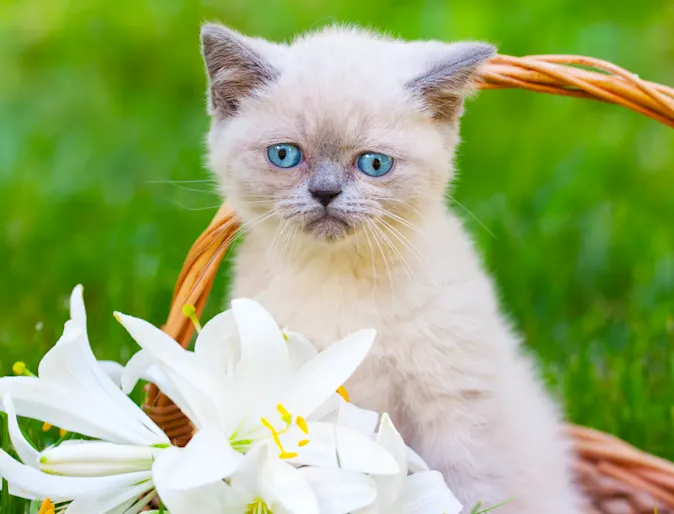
[(617, 477)]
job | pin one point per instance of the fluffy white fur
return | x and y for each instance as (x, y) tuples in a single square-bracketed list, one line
[(446, 365)]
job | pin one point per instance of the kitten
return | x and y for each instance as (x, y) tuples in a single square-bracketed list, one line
[(336, 151)]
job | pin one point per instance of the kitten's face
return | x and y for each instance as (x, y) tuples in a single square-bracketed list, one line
[(335, 138)]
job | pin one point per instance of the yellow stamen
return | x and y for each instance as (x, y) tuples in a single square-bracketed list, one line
[(285, 335), (46, 427), (274, 434), (19, 368), (47, 507), (268, 425), (257, 506), (285, 415), (277, 440), (302, 423), (341, 391), (63, 432), (190, 311)]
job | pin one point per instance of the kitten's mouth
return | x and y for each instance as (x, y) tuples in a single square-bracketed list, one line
[(328, 227)]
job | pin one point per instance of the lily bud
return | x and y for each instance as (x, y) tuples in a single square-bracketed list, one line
[(94, 459)]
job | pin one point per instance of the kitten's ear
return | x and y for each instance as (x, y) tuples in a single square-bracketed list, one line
[(451, 72), (236, 65)]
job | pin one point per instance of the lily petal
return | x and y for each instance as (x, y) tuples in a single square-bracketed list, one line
[(102, 379), (362, 420), (335, 446), (263, 348), (283, 484), (19, 493), (136, 369), (208, 458), (24, 449), (329, 410), (300, 349), (245, 481), (317, 380), (218, 343), (109, 501), (208, 498), (77, 311), (141, 366), (194, 384), (72, 365), (388, 437), (426, 492), (114, 370), (37, 399), (415, 464), (339, 491)]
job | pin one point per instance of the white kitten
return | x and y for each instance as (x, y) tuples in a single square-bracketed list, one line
[(336, 152)]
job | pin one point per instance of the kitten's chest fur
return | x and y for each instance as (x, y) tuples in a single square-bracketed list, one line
[(433, 315)]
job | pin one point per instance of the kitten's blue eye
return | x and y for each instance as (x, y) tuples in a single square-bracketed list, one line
[(284, 155), (374, 164)]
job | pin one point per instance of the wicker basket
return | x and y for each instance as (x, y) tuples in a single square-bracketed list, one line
[(618, 478)]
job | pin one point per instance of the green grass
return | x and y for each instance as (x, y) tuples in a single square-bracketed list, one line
[(102, 113)]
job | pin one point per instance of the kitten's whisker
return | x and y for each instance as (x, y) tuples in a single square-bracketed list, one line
[(383, 255), (410, 246), (396, 218), (194, 209), (374, 268), (473, 216), (249, 225), (289, 237), (244, 228), (263, 197), (283, 238), (403, 241), (406, 204), (395, 250), (271, 249), (178, 182), (260, 219), (256, 201), (400, 220), (195, 190)]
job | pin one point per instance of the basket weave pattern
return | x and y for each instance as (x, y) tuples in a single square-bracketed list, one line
[(618, 478)]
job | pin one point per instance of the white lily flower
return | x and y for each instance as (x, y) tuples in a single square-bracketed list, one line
[(420, 493), (73, 391), (246, 379)]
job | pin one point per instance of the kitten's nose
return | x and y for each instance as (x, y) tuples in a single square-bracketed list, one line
[(325, 196)]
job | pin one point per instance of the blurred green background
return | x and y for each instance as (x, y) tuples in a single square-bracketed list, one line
[(102, 179)]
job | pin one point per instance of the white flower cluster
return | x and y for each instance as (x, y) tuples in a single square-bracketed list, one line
[(272, 433)]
